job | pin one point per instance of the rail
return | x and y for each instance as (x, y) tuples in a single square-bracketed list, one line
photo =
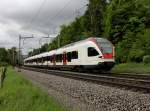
[(137, 82)]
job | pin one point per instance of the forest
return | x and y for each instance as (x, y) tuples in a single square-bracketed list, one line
[(126, 23), (8, 56)]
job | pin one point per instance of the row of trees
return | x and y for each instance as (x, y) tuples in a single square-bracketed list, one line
[(8, 56), (126, 23)]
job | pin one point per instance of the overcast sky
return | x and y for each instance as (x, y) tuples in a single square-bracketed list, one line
[(21, 17)]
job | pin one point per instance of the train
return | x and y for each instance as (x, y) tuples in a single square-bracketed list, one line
[(93, 53)]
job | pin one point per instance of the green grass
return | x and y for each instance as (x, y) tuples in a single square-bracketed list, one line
[(138, 68), (18, 94)]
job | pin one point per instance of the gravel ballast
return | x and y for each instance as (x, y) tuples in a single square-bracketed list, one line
[(83, 96)]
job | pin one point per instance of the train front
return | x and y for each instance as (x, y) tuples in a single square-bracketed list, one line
[(107, 50)]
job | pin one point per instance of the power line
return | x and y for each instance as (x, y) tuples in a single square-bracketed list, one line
[(78, 11), (36, 14), (83, 6), (34, 18), (61, 10)]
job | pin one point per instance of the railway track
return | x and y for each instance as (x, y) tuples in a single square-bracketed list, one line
[(136, 82)]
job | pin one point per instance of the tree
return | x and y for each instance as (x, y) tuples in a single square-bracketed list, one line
[(94, 17), (8, 56), (3, 55), (123, 20)]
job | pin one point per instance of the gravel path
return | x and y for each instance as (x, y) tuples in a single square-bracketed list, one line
[(83, 96)]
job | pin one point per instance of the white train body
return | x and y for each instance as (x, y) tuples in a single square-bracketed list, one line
[(92, 53)]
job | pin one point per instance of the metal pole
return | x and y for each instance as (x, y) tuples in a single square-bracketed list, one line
[(58, 41), (13, 62), (19, 53)]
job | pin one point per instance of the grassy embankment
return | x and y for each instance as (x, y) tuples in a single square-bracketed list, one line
[(138, 68), (18, 94)]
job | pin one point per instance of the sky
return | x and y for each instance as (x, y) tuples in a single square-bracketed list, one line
[(35, 17)]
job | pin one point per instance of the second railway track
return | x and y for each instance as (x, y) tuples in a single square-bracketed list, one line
[(138, 82)]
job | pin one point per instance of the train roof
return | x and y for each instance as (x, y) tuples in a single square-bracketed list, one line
[(83, 41), (45, 54)]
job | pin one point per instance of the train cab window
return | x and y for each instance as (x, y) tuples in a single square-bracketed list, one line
[(69, 56), (92, 52), (74, 55)]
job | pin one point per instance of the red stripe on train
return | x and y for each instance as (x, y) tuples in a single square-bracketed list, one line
[(108, 56)]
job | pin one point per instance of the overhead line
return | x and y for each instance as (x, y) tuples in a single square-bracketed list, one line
[(61, 10), (36, 14)]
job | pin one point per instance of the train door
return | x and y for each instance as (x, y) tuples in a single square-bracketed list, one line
[(64, 58)]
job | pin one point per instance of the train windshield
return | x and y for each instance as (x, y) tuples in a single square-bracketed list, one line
[(105, 45)]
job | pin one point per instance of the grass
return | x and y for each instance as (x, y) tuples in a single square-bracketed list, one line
[(18, 94), (138, 68)]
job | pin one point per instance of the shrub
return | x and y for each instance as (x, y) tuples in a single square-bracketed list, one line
[(136, 55), (146, 59)]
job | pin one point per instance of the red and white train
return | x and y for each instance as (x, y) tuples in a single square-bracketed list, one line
[(90, 54)]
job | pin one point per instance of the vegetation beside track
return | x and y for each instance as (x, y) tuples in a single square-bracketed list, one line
[(138, 68), (18, 94)]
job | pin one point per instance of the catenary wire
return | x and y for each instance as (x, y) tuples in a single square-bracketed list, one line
[(34, 18)]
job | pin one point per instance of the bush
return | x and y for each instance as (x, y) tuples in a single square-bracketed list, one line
[(146, 59), (136, 55)]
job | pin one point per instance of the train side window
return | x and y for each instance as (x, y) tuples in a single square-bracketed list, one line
[(43, 59), (39, 60), (74, 55), (46, 58), (34, 60), (51, 58), (54, 58), (69, 56), (92, 52), (59, 58)]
